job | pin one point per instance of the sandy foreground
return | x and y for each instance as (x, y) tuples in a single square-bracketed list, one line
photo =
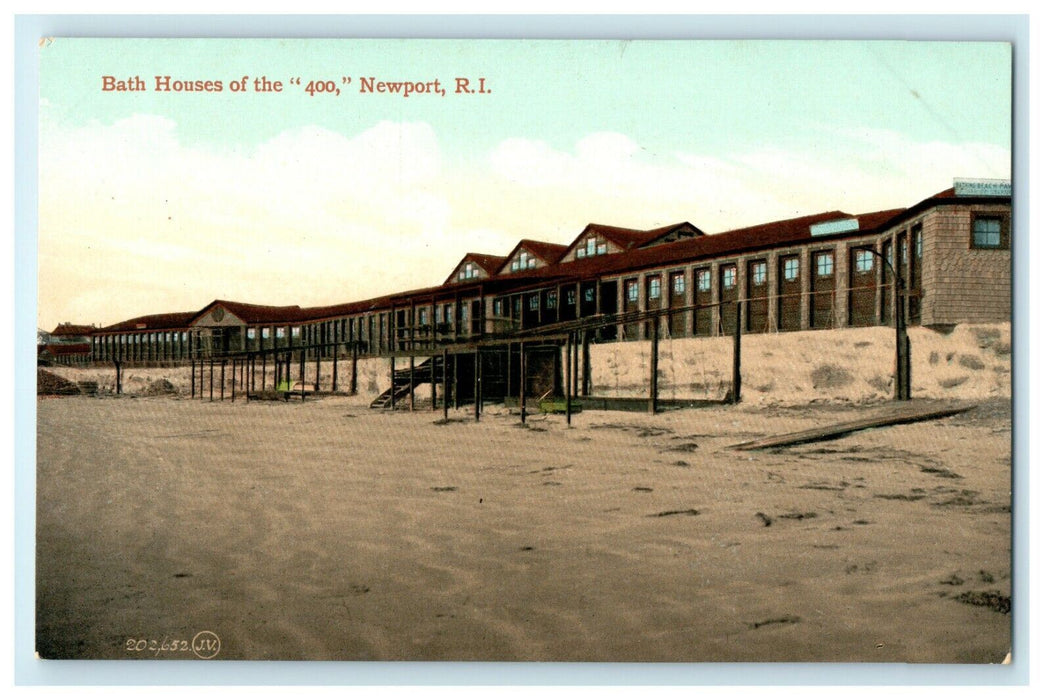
[(325, 530)]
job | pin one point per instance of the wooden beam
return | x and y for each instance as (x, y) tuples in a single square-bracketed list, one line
[(522, 380), (445, 384), (894, 414), (654, 357), (736, 389)]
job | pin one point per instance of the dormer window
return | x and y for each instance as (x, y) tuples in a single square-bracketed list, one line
[(591, 246), (469, 272), (523, 261)]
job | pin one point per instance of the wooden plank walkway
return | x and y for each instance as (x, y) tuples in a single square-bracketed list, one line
[(896, 414)]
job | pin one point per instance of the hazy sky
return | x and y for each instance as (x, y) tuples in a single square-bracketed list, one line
[(156, 202)]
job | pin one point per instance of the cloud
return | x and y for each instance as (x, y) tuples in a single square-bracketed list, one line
[(314, 216)]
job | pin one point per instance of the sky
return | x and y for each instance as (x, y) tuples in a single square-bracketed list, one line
[(161, 201)]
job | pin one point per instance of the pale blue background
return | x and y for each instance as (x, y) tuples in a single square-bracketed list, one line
[(27, 32)]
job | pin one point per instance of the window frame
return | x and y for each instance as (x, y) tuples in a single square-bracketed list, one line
[(818, 257), (1005, 230)]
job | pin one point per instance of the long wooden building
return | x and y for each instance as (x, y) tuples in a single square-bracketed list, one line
[(951, 251)]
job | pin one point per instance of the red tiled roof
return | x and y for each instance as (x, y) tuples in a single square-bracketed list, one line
[(256, 313), (175, 321), (548, 252), (72, 329)]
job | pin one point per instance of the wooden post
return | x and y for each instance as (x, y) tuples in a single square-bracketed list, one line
[(736, 390), (434, 389), (335, 357), (392, 380), (193, 379), (576, 365), (522, 380), (445, 383), (354, 369), (654, 357), (569, 378), (303, 375), (585, 383), (211, 380), (116, 367), (233, 380), (264, 372), (456, 381), (222, 381), (412, 383), (317, 368), (477, 383)]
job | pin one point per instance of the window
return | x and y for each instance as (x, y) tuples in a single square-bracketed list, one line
[(824, 264), (678, 284), (729, 277), (534, 302), (571, 297), (296, 331), (591, 246), (551, 300), (633, 291), (251, 334), (654, 287), (917, 238), (448, 314), (791, 269), (522, 261), (704, 280), (863, 260), (423, 317), (498, 307), (469, 272), (266, 333), (758, 273), (589, 294)]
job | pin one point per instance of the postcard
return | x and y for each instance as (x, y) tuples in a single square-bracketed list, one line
[(524, 350)]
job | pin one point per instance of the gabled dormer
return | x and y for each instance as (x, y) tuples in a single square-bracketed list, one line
[(530, 255), (474, 267), (597, 239), (670, 234)]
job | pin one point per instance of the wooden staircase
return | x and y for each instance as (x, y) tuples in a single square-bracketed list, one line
[(403, 383)]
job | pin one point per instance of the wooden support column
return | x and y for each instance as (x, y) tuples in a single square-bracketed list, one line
[(303, 375), (569, 378), (317, 367), (456, 382), (445, 383), (354, 369), (193, 379), (392, 382), (477, 384), (412, 383), (233, 380), (211, 380), (434, 389), (736, 390), (654, 357), (120, 387), (585, 384), (222, 381), (576, 364), (522, 380), (335, 369), (264, 372)]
